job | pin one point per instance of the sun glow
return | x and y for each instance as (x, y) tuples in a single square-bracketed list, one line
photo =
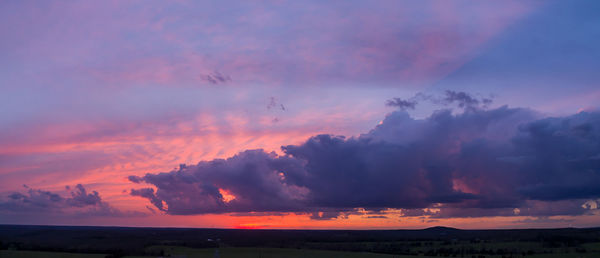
[(227, 196)]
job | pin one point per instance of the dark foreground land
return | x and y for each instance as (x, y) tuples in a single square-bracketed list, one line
[(62, 241)]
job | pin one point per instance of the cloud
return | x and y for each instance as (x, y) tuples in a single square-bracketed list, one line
[(273, 103), (216, 78), (465, 100), (135, 179), (81, 203), (481, 162), (271, 43), (252, 177), (401, 103), (325, 215), (152, 210), (377, 217), (80, 197), (538, 220), (459, 98), (149, 194), (34, 199)]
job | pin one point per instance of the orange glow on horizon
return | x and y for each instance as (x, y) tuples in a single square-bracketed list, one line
[(352, 222), (249, 226)]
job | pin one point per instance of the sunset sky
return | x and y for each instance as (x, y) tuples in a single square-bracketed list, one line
[(300, 114)]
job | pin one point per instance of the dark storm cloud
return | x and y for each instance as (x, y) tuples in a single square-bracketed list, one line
[(252, 176), (81, 203), (562, 157), (496, 162), (525, 208)]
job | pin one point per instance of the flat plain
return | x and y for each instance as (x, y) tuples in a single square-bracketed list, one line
[(111, 242)]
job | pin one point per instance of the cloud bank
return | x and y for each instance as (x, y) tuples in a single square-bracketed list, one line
[(79, 204), (480, 162)]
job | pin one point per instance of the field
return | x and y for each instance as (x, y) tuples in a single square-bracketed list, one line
[(235, 252), (38, 254), (112, 242), (249, 252), (232, 252)]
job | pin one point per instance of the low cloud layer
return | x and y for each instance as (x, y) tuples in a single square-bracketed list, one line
[(401, 103), (459, 99), (481, 162), (80, 203)]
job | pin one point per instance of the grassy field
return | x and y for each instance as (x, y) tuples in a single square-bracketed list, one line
[(571, 255), (437, 241), (238, 252), (36, 254), (489, 249), (228, 252)]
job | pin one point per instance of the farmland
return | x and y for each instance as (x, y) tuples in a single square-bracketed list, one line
[(73, 242)]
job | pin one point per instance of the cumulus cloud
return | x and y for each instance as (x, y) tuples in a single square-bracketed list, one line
[(481, 162), (80, 197), (255, 179), (80, 203)]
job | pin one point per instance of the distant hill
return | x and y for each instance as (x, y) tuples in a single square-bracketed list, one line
[(441, 229)]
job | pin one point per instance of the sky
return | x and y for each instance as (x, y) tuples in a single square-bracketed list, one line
[(300, 114)]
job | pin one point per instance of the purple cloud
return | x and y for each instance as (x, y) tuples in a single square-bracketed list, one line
[(80, 197), (252, 176), (401, 103), (489, 162), (81, 203)]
